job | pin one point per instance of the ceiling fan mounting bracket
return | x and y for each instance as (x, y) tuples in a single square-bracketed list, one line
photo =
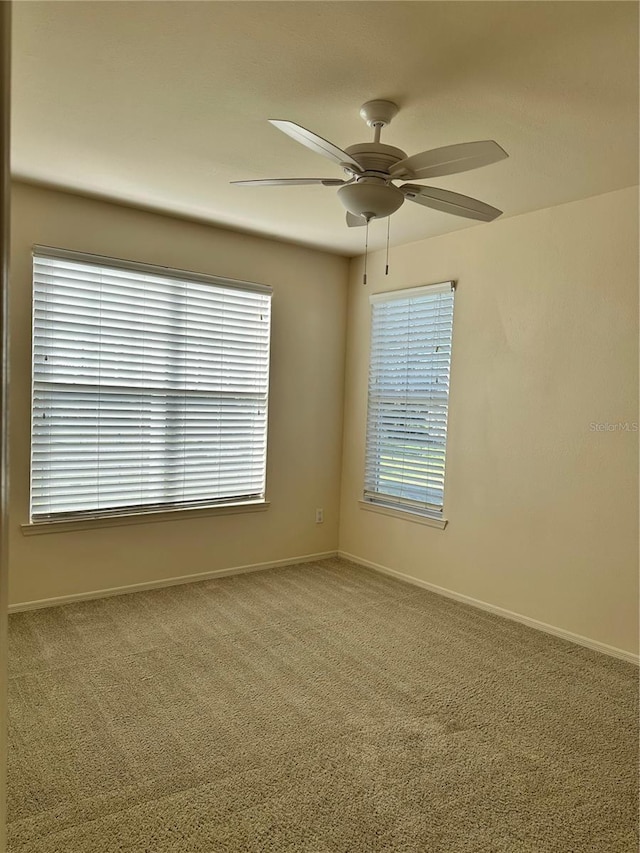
[(378, 113)]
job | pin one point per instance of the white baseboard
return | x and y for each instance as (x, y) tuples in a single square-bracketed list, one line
[(289, 561), (499, 611), (158, 584)]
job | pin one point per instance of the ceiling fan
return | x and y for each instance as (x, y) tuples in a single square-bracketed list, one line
[(372, 167)]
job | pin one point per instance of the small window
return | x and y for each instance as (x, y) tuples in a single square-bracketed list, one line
[(408, 398), (149, 388)]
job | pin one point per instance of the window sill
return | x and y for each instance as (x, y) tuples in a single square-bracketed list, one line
[(154, 516), (405, 514)]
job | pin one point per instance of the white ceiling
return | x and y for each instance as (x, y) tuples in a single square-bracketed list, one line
[(162, 104)]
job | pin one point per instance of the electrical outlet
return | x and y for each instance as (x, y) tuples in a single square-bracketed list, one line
[(319, 516)]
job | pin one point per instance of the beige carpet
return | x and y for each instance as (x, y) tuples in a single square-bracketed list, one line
[(314, 708)]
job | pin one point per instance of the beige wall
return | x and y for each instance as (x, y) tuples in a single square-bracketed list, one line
[(305, 417), (543, 511)]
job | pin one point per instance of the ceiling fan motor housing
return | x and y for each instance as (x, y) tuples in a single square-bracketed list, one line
[(375, 156)]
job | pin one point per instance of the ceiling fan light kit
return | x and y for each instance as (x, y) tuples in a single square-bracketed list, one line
[(371, 167), (371, 198)]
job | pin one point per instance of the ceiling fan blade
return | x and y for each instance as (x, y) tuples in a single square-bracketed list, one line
[(449, 160), (449, 202), (317, 143), (354, 221), (290, 182)]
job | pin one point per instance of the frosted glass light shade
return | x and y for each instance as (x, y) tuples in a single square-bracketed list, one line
[(371, 200)]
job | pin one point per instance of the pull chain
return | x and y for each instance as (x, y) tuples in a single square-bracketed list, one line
[(366, 251), (386, 268)]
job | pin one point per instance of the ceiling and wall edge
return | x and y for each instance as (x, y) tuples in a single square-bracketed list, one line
[(171, 214), (220, 226)]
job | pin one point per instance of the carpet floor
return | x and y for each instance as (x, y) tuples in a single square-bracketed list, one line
[(319, 708)]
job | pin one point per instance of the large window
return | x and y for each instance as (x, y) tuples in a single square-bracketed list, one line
[(149, 388), (408, 398)]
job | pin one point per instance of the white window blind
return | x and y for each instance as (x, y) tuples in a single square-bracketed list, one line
[(408, 397), (149, 388)]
